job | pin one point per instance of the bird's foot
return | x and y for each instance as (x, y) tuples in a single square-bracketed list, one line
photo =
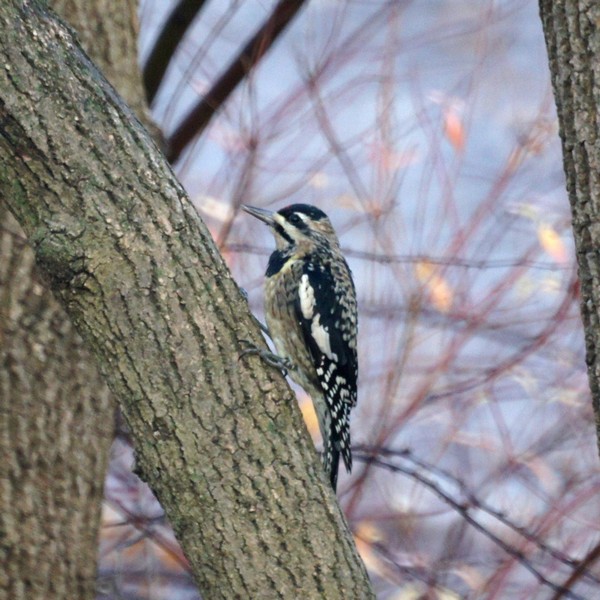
[(282, 363)]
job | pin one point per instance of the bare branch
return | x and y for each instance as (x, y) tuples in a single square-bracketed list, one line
[(166, 43), (260, 43)]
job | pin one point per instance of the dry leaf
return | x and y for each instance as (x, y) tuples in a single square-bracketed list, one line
[(212, 207), (310, 417), (552, 243), (453, 128), (365, 536), (438, 290)]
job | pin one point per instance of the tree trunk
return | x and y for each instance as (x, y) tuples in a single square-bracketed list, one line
[(57, 413), (51, 388), (108, 32), (572, 32), (220, 440), (56, 429)]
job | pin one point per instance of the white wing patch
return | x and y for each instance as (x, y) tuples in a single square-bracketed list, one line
[(307, 298), (321, 336)]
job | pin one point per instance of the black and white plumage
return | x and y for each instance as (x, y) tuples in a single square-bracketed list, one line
[(311, 313)]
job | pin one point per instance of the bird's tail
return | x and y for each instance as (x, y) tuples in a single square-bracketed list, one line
[(333, 466), (338, 444)]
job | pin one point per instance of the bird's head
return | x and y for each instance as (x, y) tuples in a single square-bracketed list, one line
[(297, 225)]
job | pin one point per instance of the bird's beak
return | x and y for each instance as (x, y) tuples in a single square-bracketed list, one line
[(260, 213)]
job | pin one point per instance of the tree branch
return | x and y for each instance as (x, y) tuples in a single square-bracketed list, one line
[(198, 118), (179, 21)]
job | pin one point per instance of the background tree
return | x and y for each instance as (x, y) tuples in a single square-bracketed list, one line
[(112, 231), (57, 413), (573, 41)]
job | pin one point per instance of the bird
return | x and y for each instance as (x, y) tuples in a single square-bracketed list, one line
[(312, 319)]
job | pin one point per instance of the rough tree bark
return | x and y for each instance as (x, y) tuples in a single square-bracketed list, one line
[(57, 413), (219, 440), (108, 32), (56, 429), (572, 32)]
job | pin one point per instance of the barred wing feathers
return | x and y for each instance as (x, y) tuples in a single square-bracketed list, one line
[(326, 312)]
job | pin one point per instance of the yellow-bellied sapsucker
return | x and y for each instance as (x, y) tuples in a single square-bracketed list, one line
[(311, 313)]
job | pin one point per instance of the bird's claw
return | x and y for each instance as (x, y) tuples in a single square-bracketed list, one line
[(284, 364)]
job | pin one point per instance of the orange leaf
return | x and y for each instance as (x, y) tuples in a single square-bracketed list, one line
[(438, 290), (453, 129), (310, 417), (552, 243), (366, 535)]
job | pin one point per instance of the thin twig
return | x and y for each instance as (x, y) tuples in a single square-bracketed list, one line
[(463, 509)]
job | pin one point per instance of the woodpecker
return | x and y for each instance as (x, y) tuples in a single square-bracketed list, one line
[(311, 314)]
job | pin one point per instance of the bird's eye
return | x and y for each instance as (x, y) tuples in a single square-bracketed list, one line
[(295, 219)]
